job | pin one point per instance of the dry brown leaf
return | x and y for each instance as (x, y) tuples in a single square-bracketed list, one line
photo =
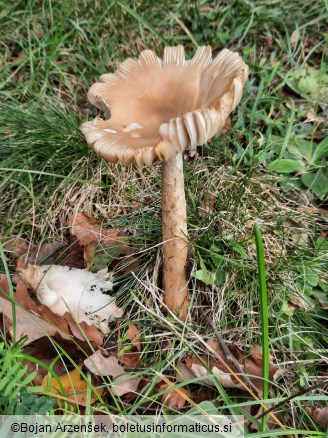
[(103, 366), (71, 255), (44, 351), (89, 255), (131, 356), (123, 383), (294, 37), (207, 204), (134, 336), (190, 367), (65, 254), (175, 398), (87, 231), (129, 396), (319, 416), (90, 232), (273, 422), (27, 324), (31, 253), (202, 394), (17, 245), (130, 359), (74, 387), (40, 321)]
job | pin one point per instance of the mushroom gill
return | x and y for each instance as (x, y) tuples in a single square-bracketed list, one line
[(149, 101)]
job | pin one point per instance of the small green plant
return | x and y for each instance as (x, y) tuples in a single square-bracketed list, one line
[(308, 160), (16, 397), (214, 262), (311, 282), (310, 83)]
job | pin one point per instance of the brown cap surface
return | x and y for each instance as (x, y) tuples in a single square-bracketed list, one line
[(157, 108)]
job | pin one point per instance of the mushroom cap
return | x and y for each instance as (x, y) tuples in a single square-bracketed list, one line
[(157, 108)]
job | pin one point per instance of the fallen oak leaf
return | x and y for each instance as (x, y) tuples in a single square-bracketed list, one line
[(38, 321), (191, 367), (71, 254), (17, 245), (174, 398), (319, 416), (27, 324), (217, 356), (96, 238), (250, 364), (123, 383), (72, 387), (253, 367), (89, 256), (195, 368), (28, 252), (40, 357), (103, 366), (84, 331), (129, 396), (129, 359), (203, 394), (88, 231)]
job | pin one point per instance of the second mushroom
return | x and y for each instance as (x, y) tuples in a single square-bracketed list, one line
[(157, 109)]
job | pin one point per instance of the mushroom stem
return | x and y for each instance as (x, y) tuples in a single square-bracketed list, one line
[(175, 246)]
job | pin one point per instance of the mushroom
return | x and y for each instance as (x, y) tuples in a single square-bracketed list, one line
[(157, 109), (84, 294)]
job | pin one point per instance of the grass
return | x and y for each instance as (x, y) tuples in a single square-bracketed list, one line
[(264, 316), (49, 61)]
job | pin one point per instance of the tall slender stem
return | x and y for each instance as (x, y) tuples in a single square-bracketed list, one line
[(175, 245), (264, 315)]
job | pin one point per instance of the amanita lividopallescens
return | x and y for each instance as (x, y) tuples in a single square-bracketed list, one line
[(156, 109)]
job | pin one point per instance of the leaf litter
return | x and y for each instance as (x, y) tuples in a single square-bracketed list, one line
[(35, 321), (122, 382), (73, 305), (190, 367), (174, 398), (72, 388), (98, 247)]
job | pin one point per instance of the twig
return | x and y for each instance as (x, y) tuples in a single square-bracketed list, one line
[(291, 397), (230, 358)]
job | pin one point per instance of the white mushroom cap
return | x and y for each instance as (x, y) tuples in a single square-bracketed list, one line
[(158, 108)]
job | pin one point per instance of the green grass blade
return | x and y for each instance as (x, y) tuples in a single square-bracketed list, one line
[(141, 20), (56, 175), (264, 314)]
